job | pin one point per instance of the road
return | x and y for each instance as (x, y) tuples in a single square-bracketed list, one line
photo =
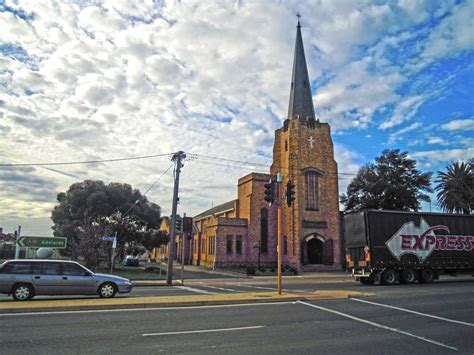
[(435, 318)]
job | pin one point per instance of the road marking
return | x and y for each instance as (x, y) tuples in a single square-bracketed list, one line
[(204, 331), (39, 313), (192, 289), (414, 312), (378, 325), (221, 288)]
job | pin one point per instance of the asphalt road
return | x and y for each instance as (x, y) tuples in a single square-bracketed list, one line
[(427, 319)]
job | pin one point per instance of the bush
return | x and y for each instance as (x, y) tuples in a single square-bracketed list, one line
[(251, 271)]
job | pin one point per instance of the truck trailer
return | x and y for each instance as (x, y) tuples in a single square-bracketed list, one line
[(393, 246)]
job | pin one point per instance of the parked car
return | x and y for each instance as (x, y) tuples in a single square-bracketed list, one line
[(24, 279), (131, 260)]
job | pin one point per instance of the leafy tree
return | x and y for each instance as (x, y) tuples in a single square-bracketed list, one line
[(112, 208), (455, 189), (392, 183)]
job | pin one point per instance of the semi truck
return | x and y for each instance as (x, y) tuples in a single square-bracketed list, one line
[(387, 247)]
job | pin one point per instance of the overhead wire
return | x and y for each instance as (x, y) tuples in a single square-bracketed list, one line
[(84, 162)]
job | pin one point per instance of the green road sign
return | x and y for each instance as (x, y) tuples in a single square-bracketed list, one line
[(42, 242)]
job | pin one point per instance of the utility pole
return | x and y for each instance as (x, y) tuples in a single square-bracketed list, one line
[(177, 157)]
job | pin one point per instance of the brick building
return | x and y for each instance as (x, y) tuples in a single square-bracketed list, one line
[(243, 232)]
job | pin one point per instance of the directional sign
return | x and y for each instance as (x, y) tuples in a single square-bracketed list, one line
[(38, 242), (108, 238)]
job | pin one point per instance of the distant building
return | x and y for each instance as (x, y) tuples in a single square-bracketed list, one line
[(243, 232)]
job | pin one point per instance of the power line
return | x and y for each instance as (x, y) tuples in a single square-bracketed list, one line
[(85, 162), (144, 194)]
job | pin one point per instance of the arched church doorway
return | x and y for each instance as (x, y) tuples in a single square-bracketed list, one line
[(314, 249)]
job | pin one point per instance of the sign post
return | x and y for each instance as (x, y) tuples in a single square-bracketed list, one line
[(112, 257)]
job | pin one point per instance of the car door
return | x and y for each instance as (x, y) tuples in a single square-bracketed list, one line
[(77, 281), (48, 280)]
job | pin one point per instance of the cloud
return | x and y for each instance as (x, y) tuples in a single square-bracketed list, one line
[(396, 136), (87, 80), (466, 124), (443, 155)]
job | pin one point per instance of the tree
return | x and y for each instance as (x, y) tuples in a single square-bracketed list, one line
[(392, 183), (455, 189), (90, 209)]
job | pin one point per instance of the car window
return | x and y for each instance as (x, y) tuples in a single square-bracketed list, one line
[(73, 270), (16, 268), (36, 268), (51, 268)]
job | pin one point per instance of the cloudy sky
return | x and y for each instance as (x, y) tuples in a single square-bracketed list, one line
[(96, 80)]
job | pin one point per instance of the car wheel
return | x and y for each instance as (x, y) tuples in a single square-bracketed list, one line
[(427, 276), (408, 276), (389, 277), (23, 292), (107, 290)]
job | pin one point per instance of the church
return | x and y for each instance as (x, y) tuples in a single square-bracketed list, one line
[(243, 232)]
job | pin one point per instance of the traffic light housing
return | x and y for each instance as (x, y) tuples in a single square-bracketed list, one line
[(269, 192), (290, 193), (178, 224), (187, 224)]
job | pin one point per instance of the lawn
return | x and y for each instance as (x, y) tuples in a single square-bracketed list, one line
[(136, 272)]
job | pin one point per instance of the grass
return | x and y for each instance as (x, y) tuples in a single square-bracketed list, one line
[(134, 272)]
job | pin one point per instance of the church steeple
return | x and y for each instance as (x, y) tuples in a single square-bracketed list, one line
[(301, 101)]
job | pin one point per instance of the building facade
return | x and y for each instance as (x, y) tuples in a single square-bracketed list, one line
[(243, 232)]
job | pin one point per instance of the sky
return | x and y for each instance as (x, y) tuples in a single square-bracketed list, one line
[(97, 80)]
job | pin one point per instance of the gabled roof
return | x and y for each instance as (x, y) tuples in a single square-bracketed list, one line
[(228, 206), (301, 100)]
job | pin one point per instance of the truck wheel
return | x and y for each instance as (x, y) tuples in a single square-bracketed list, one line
[(427, 276), (367, 280), (408, 276), (389, 277)]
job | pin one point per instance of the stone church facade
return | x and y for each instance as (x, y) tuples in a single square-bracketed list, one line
[(243, 232)]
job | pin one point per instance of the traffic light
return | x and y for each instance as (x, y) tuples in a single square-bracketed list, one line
[(290, 192), (178, 223), (269, 192), (187, 224)]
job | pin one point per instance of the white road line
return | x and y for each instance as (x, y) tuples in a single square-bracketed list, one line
[(221, 288), (192, 289), (414, 312), (144, 309), (204, 331), (378, 325)]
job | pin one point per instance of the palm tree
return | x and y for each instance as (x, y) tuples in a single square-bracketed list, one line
[(456, 188)]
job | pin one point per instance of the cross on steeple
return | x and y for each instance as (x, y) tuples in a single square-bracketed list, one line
[(298, 15)]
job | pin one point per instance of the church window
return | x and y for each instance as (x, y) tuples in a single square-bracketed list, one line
[(286, 146), (285, 245), (195, 246), (263, 230), (238, 245), (229, 244), (203, 246), (312, 190)]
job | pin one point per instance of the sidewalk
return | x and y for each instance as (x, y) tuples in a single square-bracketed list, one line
[(169, 301)]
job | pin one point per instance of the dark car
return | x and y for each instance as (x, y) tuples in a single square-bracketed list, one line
[(23, 279), (131, 260)]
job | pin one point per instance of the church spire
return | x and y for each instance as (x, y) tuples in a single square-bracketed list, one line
[(301, 101)]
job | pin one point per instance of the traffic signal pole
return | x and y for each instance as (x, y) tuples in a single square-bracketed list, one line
[(177, 157), (278, 199)]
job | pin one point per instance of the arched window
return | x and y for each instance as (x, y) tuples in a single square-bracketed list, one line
[(312, 190), (263, 230)]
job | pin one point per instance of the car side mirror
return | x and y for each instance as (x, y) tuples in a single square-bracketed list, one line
[(87, 273)]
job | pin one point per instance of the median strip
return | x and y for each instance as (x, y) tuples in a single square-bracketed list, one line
[(169, 301)]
